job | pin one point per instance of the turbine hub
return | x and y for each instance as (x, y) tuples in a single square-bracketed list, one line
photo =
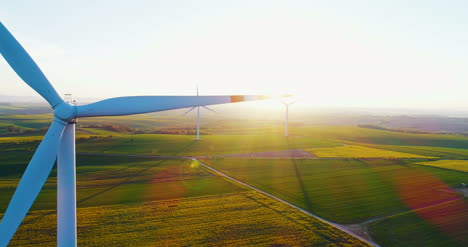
[(65, 111)]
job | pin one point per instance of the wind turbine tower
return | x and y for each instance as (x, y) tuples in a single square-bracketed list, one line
[(286, 121), (198, 116)]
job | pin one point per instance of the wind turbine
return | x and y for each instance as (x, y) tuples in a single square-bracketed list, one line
[(198, 116), (286, 120), (59, 141)]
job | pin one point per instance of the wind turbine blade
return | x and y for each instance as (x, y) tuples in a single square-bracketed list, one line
[(191, 109), (25, 67), (288, 102), (207, 108), (31, 183), (144, 104)]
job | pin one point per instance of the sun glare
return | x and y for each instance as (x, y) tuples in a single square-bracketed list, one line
[(234, 123)]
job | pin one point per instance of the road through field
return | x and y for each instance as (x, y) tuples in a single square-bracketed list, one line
[(342, 228), (285, 202)]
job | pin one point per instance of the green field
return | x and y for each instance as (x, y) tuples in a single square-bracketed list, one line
[(175, 202), (28, 121), (355, 151), (169, 202), (148, 123), (106, 180), (382, 137), (180, 145), (241, 219), (156, 144), (442, 225), (350, 190)]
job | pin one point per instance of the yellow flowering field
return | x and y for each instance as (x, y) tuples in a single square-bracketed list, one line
[(458, 165), (238, 219), (355, 151)]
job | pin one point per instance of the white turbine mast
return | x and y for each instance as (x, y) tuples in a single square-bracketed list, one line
[(286, 119), (198, 116), (59, 141)]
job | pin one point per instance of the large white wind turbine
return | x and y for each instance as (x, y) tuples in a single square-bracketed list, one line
[(198, 116), (59, 141)]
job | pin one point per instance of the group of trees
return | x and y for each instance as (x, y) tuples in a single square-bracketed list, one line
[(112, 127), (14, 130), (411, 131), (178, 131)]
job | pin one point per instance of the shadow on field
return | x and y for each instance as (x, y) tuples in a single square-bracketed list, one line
[(185, 148), (307, 201), (113, 186), (125, 181)]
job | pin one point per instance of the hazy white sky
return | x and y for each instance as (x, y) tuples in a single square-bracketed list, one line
[(395, 53)]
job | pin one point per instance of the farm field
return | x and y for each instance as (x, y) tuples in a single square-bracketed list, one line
[(180, 145), (382, 137), (445, 224), (457, 165), (19, 139), (27, 121), (137, 121), (351, 190), (169, 202), (387, 182), (240, 219), (441, 152), (186, 146), (106, 180), (355, 151), (174, 123)]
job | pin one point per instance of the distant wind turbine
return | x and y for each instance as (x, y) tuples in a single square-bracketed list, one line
[(286, 120), (59, 141), (198, 116)]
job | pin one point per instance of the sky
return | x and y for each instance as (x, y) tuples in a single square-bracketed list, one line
[(399, 53)]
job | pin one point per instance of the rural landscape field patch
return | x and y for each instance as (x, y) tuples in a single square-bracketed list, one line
[(457, 165), (351, 190), (383, 137), (240, 219), (106, 180), (440, 152), (441, 225), (169, 202), (361, 182), (186, 145), (354, 151)]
